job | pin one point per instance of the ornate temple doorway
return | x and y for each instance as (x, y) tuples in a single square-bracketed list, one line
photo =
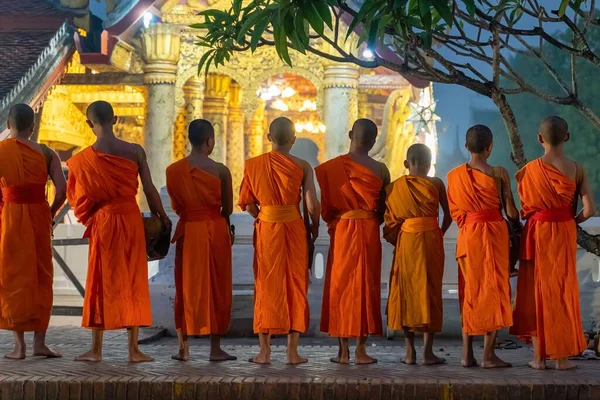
[(295, 97)]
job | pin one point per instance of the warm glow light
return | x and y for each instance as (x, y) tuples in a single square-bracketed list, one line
[(299, 127), (308, 106), (288, 92), (279, 105), (367, 53), (148, 17), (310, 127)]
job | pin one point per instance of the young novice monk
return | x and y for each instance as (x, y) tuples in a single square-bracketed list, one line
[(201, 195), (411, 224), (353, 205), (482, 247), (547, 305), (270, 192)]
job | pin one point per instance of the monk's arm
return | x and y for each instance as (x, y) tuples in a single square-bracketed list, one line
[(447, 220), (253, 210), (226, 196), (509, 200), (150, 191), (60, 184), (310, 197), (587, 198), (383, 195)]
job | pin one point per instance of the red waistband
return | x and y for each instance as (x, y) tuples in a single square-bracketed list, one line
[(483, 216), (119, 205), (24, 194), (553, 215)]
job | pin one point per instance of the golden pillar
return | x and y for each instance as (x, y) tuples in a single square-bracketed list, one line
[(235, 139), (193, 93), (341, 106), (161, 50), (216, 108), (255, 135)]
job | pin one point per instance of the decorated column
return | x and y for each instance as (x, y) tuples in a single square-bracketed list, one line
[(161, 49), (235, 139), (341, 106), (255, 133), (216, 108), (193, 94)]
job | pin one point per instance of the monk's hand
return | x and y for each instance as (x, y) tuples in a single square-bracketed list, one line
[(167, 224), (232, 234), (314, 233)]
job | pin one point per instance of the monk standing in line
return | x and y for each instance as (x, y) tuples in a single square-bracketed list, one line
[(547, 304), (353, 203), (202, 196), (102, 188), (26, 269), (270, 192), (482, 248), (411, 225)]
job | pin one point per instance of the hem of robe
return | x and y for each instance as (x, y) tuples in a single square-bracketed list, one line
[(203, 332), (29, 326), (353, 335), (114, 328), (277, 331), (424, 328), (482, 332)]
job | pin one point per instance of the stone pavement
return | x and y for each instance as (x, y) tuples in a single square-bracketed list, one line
[(114, 378)]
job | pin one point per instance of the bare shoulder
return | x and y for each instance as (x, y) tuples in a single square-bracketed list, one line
[(223, 170), (302, 163)]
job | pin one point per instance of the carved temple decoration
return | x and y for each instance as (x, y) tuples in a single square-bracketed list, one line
[(216, 109), (235, 139)]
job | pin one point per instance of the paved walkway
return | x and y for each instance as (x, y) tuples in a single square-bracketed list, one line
[(114, 378)]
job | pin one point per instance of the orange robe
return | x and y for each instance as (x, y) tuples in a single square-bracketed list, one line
[(482, 251), (26, 270), (102, 191), (411, 224), (203, 290), (274, 181), (352, 292), (547, 303)]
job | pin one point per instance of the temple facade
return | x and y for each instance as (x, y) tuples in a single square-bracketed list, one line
[(141, 56)]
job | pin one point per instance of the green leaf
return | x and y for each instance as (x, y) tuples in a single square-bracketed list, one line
[(200, 26), (373, 31), (364, 9), (203, 59), (236, 7), (281, 44), (259, 29), (400, 4), (442, 7), (314, 19), (427, 38), (248, 23), (299, 27), (563, 8), (470, 4), (324, 11)]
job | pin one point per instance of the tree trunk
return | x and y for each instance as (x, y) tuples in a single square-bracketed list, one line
[(517, 154)]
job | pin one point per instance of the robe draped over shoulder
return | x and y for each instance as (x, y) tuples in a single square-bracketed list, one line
[(273, 181), (352, 291), (482, 251), (102, 190), (203, 252), (26, 269), (411, 224), (547, 303)]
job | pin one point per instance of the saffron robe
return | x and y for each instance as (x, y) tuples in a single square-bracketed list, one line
[(482, 251), (547, 303), (411, 224), (352, 292), (26, 270), (273, 181), (102, 190), (203, 288)]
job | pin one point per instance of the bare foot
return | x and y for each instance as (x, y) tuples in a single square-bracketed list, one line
[(17, 354), (182, 355), (565, 364), (340, 360), (537, 365), (495, 362), (364, 359), (295, 359), (261, 359), (409, 360), (221, 355), (89, 356), (139, 357), (44, 351), (472, 362), (433, 360)]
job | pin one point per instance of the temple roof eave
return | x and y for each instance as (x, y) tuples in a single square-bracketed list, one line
[(46, 71)]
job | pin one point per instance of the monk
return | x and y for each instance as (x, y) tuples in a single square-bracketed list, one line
[(547, 305), (411, 225), (270, 192), (202, 196), (26, 270), (102, 188), (353, 202), (483, 247)]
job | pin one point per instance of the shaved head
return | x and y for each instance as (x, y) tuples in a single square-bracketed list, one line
[(419, 155), (479, 139), (282, 131), (21, 117), (199, 131), (554, 130), (364, 133), (101, 113)]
